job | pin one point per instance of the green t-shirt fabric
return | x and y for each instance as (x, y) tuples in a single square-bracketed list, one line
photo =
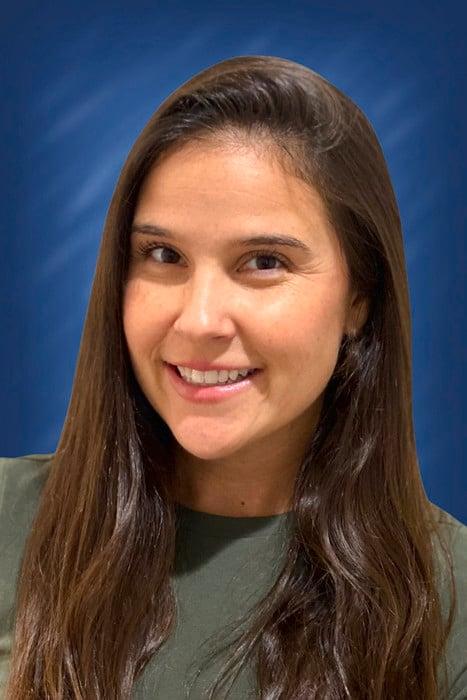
[(224, 565)]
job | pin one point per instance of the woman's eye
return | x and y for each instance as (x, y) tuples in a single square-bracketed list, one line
[(267, 259), (169, 258)]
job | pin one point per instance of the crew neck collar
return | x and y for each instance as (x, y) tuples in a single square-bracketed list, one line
[(224, 526)]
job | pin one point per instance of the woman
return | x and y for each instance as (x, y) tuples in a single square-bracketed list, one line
[(271, 538)]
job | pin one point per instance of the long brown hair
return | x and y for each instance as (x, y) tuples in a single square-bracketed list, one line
[(355, 611)]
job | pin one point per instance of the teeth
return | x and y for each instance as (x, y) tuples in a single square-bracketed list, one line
[(213, 376)]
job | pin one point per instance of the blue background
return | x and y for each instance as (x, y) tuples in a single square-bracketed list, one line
[(80, 80)]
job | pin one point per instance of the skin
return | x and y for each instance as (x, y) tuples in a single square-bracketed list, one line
[(210, 300)]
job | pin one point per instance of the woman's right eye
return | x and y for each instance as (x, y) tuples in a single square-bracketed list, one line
[(145, 249)]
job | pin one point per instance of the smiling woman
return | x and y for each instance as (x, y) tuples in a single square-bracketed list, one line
[(238, 455)]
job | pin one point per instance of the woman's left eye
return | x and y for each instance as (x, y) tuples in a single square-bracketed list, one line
[(146, 249), (267, 255)]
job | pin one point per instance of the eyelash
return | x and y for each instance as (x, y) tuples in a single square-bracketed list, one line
[(145, 249)]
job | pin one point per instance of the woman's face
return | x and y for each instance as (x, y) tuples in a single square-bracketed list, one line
[(203, 296)]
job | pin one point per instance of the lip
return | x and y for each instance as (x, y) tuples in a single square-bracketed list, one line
[(208, 394)]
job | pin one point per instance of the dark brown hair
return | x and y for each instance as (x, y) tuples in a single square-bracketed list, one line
[(355, 611)]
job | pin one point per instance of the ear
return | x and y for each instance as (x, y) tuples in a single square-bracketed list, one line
[(357, 314)]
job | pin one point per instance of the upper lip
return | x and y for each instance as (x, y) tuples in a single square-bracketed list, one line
[(205, 366)]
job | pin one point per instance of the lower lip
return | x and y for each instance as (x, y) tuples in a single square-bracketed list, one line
[(194, 392)]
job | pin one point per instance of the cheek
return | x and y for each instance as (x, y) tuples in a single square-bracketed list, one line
[(310, 334), (140, 316), (309, 344)]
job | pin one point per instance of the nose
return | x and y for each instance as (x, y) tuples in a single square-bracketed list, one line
[(206, 306)]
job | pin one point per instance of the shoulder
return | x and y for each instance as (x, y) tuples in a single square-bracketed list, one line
[(19, 469), (21, 482), (454, 534)]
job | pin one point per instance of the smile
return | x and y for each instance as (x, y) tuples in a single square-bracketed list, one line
[(210, 391)]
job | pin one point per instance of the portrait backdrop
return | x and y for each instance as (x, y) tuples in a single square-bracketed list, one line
[(79, 81)]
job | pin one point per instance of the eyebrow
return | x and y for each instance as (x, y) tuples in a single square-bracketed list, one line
[(263, 239)]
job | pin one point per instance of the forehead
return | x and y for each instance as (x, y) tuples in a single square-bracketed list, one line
[(226, 184)]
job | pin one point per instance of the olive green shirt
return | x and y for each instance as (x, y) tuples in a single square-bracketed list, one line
[(229, 565)]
